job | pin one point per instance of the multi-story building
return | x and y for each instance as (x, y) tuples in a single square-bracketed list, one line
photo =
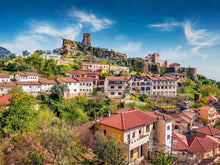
[(163, 132), (5, 87), (26, 76), (72, 84), (119, 69), (114, 87), (155, 60), (5, 78), (134, 128), (30, 87), (83, 73), (175, 66), (209, 114), (47, 56), (46, 85), (154, 86), (85, 85), (100, 67), (192, 112)]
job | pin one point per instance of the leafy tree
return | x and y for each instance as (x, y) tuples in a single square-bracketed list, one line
[(161, 159), (58, 140), (12, 56), (39, 52), (20, 115), (111, 151), (25, 53), (32, 158), (57, 51), (58, 91)]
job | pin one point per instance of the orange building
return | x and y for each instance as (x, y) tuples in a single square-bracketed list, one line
[(134, 128), (208, 113)]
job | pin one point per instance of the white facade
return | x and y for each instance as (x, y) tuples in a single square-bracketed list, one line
[(47, 56), (85, 87), (168, 137), (26, 76), (4, 79), (33, 89), (46, 87), (118, 69)]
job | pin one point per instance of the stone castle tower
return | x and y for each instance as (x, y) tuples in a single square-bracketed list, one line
[(87, 39), (193, 74)]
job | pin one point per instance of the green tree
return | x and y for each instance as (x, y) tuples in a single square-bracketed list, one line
[(111, 151), (12, 56), (32, 158), (25, 53), (39, 52), (161, 159), (58, 91), (20, 115), (58, 140)]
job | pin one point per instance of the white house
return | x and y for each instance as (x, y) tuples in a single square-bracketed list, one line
[(5, 78), (30, 87), (46, 85), (85, 85), (72, 84), (26, 76), (5, 87), (119, 69), (47, 56)]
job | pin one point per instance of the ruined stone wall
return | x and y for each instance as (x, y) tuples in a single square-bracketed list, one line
[(87, 39)]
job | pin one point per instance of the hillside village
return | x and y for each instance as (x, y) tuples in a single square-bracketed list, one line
[(148, 108)]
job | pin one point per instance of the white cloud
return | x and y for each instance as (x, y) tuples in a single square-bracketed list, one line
[(130, 47), (198, 38), (175, 54), (91, 19), (41, 35), (119, 37)]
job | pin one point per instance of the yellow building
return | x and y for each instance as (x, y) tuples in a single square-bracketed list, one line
[(100, 67), (134, 128), (208, 113)]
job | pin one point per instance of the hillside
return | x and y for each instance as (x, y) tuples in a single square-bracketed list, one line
[(4, 53)]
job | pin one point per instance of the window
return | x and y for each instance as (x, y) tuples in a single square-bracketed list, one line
[(168, 137), (147, 88), (133, 135), (120, 93), (104, 132), (112, 87), (131, 154), (112, 93), (154, 126), (147, 128), (119, 87), (128, 136), (74, 90), (30, 86), (168, 127), (154, 87), (158, 87)]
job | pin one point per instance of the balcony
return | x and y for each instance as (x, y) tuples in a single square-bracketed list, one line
[(136, 141)]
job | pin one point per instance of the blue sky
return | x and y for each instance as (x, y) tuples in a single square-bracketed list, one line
[(184, 31)]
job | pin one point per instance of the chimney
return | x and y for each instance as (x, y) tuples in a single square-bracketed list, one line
[(109, 113)]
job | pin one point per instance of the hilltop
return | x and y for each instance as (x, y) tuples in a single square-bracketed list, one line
[(4, 52)]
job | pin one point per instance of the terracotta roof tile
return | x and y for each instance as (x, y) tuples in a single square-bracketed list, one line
[(80, 72), (8, 84), (4, 76), (173, 64), (128, 120), (45, 81), (113, 78), (163, 78), (94, 64), (27, 74), (212, 98), (27, 83), (202, 143), (66, 79), (208, 130), (205, 108), (83, 78), (182, 143), (159, 115)]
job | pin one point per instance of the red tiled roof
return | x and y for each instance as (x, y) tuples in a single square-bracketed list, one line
[(94, 64), (205, 108), (178, 114), (163, 78), (159, 115), (4, 76), (127, 120), (83, 78), (126, 109), (82, 72), (5, 99), (208, 130), (182, 143), (45, 81), (113, 78), (173, 64), (27, 83), (66, 79), (27, 74), (8, 84), (212, 98), (202, 143)]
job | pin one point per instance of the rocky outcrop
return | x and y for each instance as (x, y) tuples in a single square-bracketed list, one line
[(69, 47), (4, 52)]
